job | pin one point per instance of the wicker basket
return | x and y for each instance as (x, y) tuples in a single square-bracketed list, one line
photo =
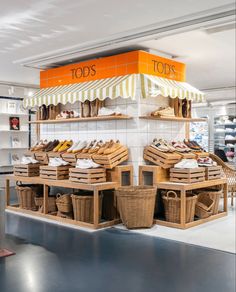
[(136, 206), (215, 195), (64, 203), (83, 208), (204, 206), (51, 204), (172, 205), (26, 196)]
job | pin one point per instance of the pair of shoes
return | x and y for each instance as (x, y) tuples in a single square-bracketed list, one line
[(28, 160), (162, 145), (187, 163), (95, 147), (51, 145), (86, 163), (229, 137), (180, 147), (63, 146), (103, 111), (109, 147), (193, 145), (164, 112), (207, 161), (42, 144), (56, 161), (78, 147)]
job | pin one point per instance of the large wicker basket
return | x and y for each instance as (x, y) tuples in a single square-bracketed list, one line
[(51, 204), (64, 203), (83, 207), (172, 205), (26, 196), (136, 206), (204, 206), (214, 195)]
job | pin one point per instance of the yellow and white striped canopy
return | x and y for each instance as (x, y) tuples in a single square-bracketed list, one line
[(152, 86), (124, 86), (121, 86)]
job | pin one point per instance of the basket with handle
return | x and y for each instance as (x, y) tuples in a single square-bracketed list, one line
[(136, 205), (172, 204), (64, 203), (204, 206), (214, 194)]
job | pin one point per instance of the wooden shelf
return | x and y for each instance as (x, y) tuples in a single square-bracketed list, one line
[(76, 120), (174, 119)]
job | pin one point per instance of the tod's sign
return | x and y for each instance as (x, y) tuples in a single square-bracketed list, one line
[(135, 62)]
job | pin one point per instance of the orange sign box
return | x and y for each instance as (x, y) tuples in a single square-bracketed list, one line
[(128, 63)]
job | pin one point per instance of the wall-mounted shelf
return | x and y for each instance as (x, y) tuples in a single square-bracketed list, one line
[(75, 120), (174, 119), (14, 131), (14, 114), (13, 148)]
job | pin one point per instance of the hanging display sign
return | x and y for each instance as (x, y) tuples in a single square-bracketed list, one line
[(123, 64)]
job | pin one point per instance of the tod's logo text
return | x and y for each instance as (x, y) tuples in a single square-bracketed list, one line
[(84, 71), (164, 68)]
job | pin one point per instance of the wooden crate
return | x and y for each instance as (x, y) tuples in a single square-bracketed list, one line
[(88, 176), (187, 175), (117, 174), (111, 160), (154, 173), (52, 154), (188, 155), (41, 156), (28, 170), (213, 172), (201, 154), (82, 155), (70, 157), (55, 172), (165, 160)]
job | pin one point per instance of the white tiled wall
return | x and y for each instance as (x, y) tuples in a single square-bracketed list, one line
[(135, 133)]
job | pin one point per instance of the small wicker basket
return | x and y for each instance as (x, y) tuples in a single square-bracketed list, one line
[(136, 206), (215, 195), (51, 204), (172, 205), (204, 206), (64, 203)]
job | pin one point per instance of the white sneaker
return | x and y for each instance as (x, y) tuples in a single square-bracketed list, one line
[(229, 137), (75, 144), (103, 111), (187, 163), (61, 161), (28, 160), (86, 163), (80, 146), (56, 161)]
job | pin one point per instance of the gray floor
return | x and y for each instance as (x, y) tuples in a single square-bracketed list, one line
[(53, 258)]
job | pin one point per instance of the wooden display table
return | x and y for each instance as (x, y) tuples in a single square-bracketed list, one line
[(183, 187), (95, 188)]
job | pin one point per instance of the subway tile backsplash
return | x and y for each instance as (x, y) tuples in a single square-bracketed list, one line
[(135, 133)]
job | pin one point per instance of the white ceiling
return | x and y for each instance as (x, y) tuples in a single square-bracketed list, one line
[(29, 28)]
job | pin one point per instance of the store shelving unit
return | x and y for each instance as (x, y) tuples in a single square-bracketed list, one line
[(174, 119), (221, 141), (76, 120)]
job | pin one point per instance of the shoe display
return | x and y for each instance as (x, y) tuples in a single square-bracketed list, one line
[(86, 163), (230, 137), (51, 145), (81, 145), (66, 145), (28, 160), (58, 146), (56, 161), (180, 147), (103, 111), (187, 163), (159, 145), (112, 147), (164, 111), (207, 161), (75, 144)]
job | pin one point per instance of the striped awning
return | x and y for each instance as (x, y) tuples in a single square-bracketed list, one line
[(152, 86), (124, 86)]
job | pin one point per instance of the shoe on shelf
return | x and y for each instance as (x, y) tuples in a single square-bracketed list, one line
[(96, 146), (88, 146), (28, 160), (75, 144), (104, 147), (81, 145), (229, 137), (43, 145), (56, 161), (103, 111), (86, 163), (167, 144), (66, 145), (207, 161), (180, 147), (51, 145), (112, 148), (164, 111), (187, 163), (58, 146), (160, 145)]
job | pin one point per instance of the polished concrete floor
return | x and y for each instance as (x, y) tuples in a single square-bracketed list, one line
[(53, 258)]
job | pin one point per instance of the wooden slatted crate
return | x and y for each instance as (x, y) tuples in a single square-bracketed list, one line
[(70, 157), (55, 172), (213, 172), (111, 160), (165, 160), (88, 176), (187, 175), (188, 155), (28, 170), (41, 156)]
